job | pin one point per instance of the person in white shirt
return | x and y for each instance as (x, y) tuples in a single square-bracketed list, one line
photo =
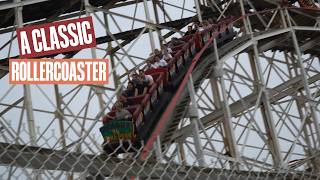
[(166, 51), (165, 47), (167, 56), (160, 62), (151, 64), (200, 29), (121, 112)]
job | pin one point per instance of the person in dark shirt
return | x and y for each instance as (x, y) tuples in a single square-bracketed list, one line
[(139, 84), (131, 91), (157, 52), (176, 42), (210, 21), (190, 31), (134, 78), (196, 26)]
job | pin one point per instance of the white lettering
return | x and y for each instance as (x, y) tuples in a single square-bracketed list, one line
[(80, 35), (95, 71), (64, 71), (65, 42), (81, 76), (37, 46), (42, 70), (44, 40), (55, 44), (74, 41), (73, 72), (88, 64), (102, 71), (23, 71), (86, 37), (24, 43), (57, 71), (49, 71), (15, 71)]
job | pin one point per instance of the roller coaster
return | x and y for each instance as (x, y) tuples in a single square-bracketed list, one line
[(239, 99), (146, 109)]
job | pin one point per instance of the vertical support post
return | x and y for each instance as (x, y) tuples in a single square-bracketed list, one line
[(194, 118), (196, 2), (215, 92), (273, 140), (303, 73), (157, 147), (182, 156), (227, 122), (30, 115), (254, 72), (59, 102), (267, 115), (94, 56), (27, 91), (88, 11), (181, 152), (300, 106), (27, 94), (61, 125), (112, 60), (217, 102), (283, 19), (156, 14), (146, 10), (243, 13), (311, 151)]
